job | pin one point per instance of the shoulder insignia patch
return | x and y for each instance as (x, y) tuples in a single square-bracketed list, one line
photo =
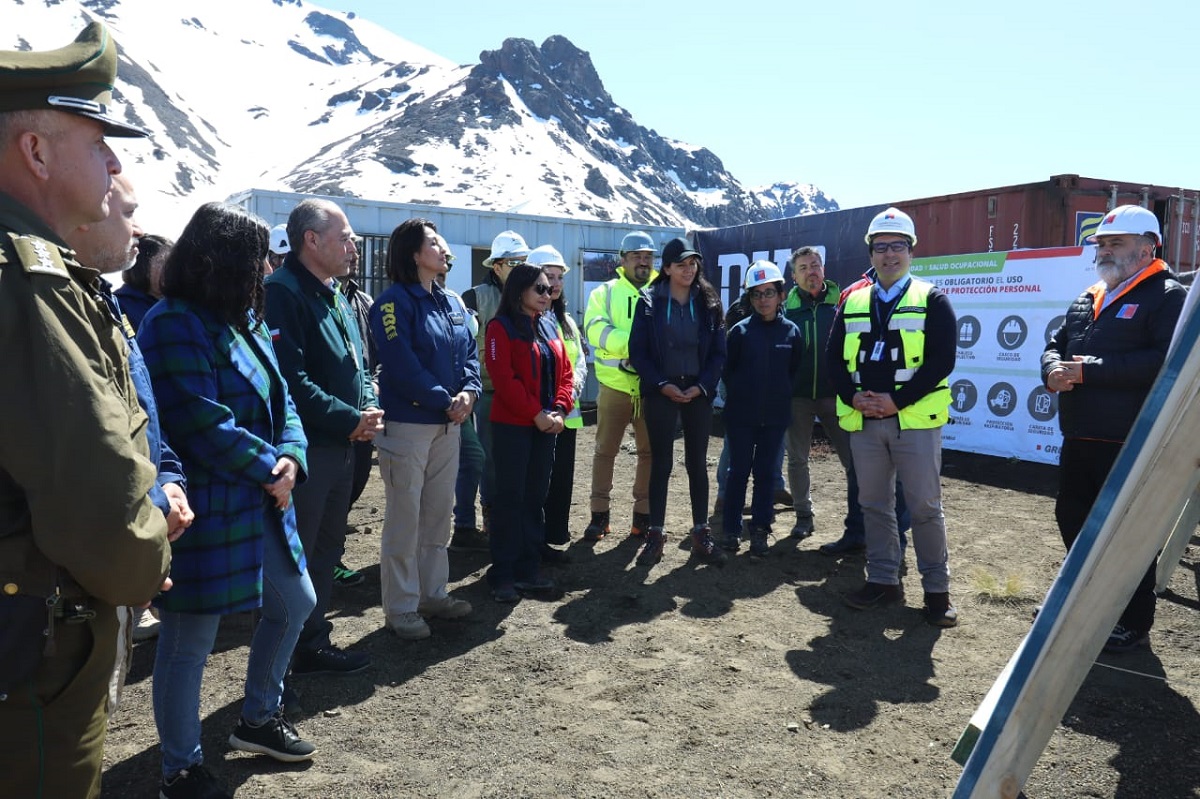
[(39, 256)]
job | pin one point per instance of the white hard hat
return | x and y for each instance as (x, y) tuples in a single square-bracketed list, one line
[(1129, 220), (637, 241), (279, 240), (762, 272), (547, 256), (508, 244), (892, 220)]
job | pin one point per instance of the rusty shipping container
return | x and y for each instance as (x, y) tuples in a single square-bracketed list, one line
[(1056, 213)]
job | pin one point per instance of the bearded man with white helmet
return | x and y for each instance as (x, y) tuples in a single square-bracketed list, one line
[(1102, 362), (607, 323), (890, 355)]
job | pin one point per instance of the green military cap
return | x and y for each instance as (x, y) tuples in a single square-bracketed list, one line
[(77, 79)]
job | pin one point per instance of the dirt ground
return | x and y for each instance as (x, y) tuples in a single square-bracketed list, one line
[(690, 681)]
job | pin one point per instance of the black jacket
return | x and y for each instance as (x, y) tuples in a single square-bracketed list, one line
[(761, 362), (649, 329), (1123, 350)]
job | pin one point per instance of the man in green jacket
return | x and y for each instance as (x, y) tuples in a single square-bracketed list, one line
[(811, 305), (321, 355), (606, 323)]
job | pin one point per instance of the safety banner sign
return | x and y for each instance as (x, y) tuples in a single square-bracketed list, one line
[(1008, 305)]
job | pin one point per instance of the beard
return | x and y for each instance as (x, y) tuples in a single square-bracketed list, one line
[(1112, 270)]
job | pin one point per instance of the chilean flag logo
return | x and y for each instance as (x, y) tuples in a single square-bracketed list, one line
[(760, 274), (1108, 220)]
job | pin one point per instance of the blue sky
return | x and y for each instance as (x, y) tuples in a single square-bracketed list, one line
[(876, 101)]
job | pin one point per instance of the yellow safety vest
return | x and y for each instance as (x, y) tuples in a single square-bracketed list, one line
[(932, 410), (607, 322)]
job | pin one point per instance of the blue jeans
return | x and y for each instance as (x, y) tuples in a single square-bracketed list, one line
[(524, 461), (751, 450), (723, 470), (470, 472), (186, 639)]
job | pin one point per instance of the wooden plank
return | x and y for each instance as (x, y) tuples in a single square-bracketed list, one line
[(1181, 536), (1152, 480)]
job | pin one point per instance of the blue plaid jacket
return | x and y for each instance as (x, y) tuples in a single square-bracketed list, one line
[(229, 420)]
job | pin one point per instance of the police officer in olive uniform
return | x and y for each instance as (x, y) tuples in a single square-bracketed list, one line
[(79, 534)]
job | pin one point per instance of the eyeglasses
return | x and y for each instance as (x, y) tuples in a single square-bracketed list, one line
[(512, 261), (763, 294), (885, 246), (542, 288)]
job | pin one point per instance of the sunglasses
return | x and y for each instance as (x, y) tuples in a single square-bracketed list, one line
[(763, 294), (894, 246), (542, 288)]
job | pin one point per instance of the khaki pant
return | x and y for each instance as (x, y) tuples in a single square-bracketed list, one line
[(614, 413), (52, 729), (799, 445), (419, 466)]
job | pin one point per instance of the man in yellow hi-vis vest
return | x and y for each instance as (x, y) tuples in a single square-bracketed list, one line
[(890, 353)]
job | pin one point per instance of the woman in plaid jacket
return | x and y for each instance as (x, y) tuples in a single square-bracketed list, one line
[(222, 398)]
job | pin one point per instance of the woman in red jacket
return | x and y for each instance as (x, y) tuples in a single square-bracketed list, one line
[(533, 380)]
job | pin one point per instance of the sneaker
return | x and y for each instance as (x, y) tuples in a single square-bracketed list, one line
[(652, 550), (597, 528), (506, 594), (704, 547), (803, 528), (1125, 639), (641, 523), (469, 539), (759, 548), (939, 611), (409, 626), (538, 585), (784, 497), (554, 556), (873, 594), (345, 577), (146, 625), (329, 660), (843, 546), (276, 737), (194, 782), (446, 607), (731, 542)]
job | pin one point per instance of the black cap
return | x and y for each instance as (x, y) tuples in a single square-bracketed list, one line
[(77, 79), (676, 250)]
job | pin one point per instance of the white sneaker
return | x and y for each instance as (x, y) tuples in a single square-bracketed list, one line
[(146, 626), (409, 626), (446, 607)]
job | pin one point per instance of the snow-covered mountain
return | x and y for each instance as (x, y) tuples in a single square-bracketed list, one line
[(284, 95)]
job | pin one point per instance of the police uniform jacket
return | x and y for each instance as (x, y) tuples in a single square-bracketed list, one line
[(75, 472), (224, 404), (427, 353), (1123, 347)]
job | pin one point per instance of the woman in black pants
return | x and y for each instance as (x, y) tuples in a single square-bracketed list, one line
[(677, 347)]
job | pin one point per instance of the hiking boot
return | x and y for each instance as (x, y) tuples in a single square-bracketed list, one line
[(446, 607), (704, 547), (758, 541), (409, 626), (344, 576), (641, 523), (193, 782), (469, 539), (784, 497), (803, 528), (329, 660), (873, 594), (276, 737), (843, 546), (652, 550), (1125, 639), (598, 527), (731, 542), (939, 611)]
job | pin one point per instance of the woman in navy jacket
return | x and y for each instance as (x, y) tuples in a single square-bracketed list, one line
[(428, 384), (764, 352), (532, 378), (677, 347)]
